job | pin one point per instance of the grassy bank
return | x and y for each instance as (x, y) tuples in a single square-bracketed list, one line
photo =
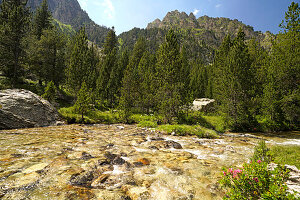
[(193, 124), (289, 155)]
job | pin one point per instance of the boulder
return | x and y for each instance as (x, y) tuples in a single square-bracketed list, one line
[(24, 109), (203, 104)]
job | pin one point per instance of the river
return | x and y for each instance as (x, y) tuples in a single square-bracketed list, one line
[(119, 162)]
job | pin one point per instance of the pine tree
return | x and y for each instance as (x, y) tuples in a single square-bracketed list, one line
[(130, 82), (36, 57), (198, 79), (169, 80), (232, 85), (82, 63), (281, 88), (14, 23), (146, 88), (115, 82), (83, 101), (51, 53), (42, 20), (108, 65)]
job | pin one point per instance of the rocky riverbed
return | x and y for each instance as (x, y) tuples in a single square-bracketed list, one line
[(118, 162)]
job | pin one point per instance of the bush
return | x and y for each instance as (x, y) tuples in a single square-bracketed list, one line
[(255, 180), (147, 124)]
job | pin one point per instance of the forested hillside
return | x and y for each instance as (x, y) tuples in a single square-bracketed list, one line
[(200, 36), (158, 71)]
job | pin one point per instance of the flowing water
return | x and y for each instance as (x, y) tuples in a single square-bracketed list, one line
[(114, 162)]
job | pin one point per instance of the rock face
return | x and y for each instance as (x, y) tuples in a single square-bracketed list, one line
[(22, 108)]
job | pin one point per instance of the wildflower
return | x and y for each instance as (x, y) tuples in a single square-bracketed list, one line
[(259, 161), (230, 170), (224, 173), (255, 179), (238, 171)]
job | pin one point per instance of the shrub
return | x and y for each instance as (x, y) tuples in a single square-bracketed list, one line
[(255, 180), (148, 124)]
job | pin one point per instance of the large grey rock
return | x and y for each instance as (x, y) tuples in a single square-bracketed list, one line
[(203, 104), (22, 108)]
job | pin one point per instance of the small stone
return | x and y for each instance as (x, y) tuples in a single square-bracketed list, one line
[(118, 161), (153, 148), (136, 193), (157, 139), (98, 181), (138, 164), (82, 179), (35, 168), (86, 156), (120, 127), (172, 144), (110, 145), (110, 156), (145, 161)]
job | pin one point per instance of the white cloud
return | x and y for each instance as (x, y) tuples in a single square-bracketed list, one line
[(196, 11), (83, 4), (218, 5), (109, 10)]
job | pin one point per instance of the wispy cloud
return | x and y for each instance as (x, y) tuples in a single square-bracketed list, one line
[(109, 10), (196, 11), (83, 4), (218, 5)]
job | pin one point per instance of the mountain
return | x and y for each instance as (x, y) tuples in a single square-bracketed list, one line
[(69, 12), (205, 26), (200, 36)]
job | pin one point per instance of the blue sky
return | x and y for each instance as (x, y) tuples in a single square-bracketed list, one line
[(263, 15)]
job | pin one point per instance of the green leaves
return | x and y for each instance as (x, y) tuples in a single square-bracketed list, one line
[(256, 180)]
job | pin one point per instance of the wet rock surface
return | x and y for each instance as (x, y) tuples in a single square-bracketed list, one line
[(109, 162)]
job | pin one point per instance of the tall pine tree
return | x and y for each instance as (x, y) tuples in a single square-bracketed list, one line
[(281, 89), (42, 19), (82, 64), (14, 24), (233, 82), (169, 68), (109, 63), (130, 82)]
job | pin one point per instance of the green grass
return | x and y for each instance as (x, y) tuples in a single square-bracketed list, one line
[(137, 118), (183, 130), (217, 122), (287, 155), (90, 117)]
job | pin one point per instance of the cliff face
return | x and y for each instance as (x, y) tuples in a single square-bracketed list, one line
[(69, 12)]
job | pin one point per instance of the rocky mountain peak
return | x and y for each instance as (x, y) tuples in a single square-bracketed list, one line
[(175, 19)]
